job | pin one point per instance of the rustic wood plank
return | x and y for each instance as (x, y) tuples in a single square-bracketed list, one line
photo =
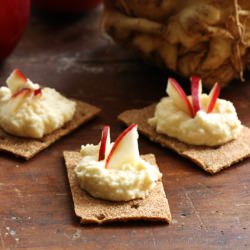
[(36, 212)]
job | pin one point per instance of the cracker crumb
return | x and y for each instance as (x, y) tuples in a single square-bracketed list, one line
[(174, 221), (12, 232), (76, 235)]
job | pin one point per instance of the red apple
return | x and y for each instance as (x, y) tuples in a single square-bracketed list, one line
[(179, 97), (213, 96), (66, 6), (196, 89), (125, 149), (13, 19), (105, 143)]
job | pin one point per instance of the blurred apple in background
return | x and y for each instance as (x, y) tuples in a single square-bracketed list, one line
[(66, 6), (14, 15)]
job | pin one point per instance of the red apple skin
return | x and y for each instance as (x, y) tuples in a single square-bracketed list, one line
[(14, 15), (213, 95), (66, 6), (20, 74), (196, 89), (117, 141), (37, 92), (22, 91), (102, 150)]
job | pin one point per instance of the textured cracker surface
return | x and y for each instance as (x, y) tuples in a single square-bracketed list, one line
[(211, 159), (27, 148), (91, 210)]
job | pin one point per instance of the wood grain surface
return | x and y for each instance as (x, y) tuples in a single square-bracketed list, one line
[(36, 211)]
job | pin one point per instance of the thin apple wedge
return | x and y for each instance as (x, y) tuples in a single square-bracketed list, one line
[(105, 143), (125, 149), (16, 80), (213, 96), (179, 97), (196, 90)]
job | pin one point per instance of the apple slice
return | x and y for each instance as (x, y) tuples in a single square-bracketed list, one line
[(16, 80), (17, 99), (125, 149), (179, 97), (213, 96), (105, 143), (196, 89)]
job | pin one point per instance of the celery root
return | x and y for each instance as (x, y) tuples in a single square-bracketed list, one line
[(209, 38)]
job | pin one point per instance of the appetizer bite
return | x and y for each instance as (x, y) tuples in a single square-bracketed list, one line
[(112, 182), (32, 117), (27, 110), (201, 127), (199, 119)]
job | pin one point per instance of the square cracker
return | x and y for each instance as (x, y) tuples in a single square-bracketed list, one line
[(27, 148), (91, 210), (211, 159)]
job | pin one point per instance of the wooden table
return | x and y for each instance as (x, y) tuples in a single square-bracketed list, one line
[(36, 212)]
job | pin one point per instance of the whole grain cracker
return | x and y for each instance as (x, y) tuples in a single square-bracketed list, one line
[(91, 210), (211, 159), (27, 148)]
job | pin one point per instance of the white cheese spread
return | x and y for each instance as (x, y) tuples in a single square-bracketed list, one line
[(34, 116), (211, 129), (120, 183)]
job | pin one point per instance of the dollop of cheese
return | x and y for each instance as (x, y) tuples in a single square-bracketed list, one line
[(34, 116), (120, 183), (211, 129)]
